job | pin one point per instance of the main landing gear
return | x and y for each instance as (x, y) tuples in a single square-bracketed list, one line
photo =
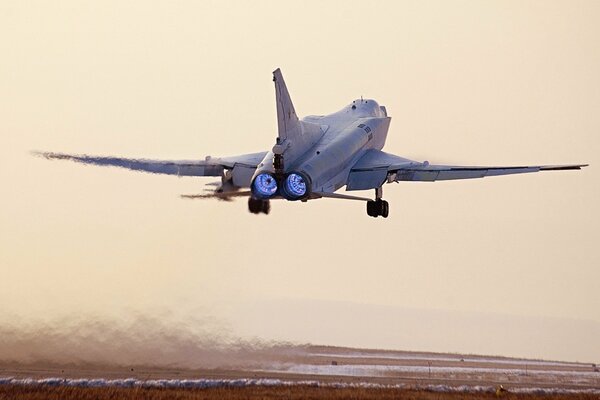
[(378, 207), (257, 206)]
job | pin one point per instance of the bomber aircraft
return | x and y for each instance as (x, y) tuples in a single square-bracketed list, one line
[(312, 158)]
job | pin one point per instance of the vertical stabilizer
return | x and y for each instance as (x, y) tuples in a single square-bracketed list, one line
[(288, 123), (295, 137)]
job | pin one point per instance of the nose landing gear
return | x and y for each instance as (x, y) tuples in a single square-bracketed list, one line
[(257, 206), (378, 207)]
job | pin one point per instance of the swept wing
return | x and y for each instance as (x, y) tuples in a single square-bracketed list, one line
[(377, 167), (208, 167)]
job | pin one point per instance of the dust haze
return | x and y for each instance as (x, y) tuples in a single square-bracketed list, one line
[(202, 342)]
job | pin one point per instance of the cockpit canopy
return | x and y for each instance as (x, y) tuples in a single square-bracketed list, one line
[(366, 108), (359, 108)]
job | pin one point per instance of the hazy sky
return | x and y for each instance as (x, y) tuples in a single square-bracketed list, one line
[(466, 82)]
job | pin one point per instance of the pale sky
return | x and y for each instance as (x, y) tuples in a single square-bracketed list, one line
[(465, 82)]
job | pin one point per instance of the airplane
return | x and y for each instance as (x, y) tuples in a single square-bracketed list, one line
[(313, 158)]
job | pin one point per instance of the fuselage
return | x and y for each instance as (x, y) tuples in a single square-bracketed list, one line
[(323, 164)]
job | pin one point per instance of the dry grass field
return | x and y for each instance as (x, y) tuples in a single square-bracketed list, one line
[(35, 392)]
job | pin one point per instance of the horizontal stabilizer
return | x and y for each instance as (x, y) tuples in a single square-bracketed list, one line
[(218, 195), (329, 195)]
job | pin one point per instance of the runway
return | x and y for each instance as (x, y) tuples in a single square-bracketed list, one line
[(318, 366)]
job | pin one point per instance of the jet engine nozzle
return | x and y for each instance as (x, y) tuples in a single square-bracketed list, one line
[(264, 186), (295, 186)]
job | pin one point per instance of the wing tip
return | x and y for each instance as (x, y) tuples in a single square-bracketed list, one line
[(563, 167), (45, 154)]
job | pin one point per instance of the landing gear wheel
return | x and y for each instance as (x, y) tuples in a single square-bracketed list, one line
[(372, 208), (385, 209), (257, 206), (266, 206), (379, 207)]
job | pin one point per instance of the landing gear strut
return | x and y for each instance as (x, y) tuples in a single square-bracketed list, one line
[(257, 206), (378, 207)]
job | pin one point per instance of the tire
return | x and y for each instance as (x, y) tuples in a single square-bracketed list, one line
[(254, 205), (385, 209), (265, 206), (371, 208)]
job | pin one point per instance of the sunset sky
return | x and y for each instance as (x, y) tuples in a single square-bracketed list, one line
[(504, 265)]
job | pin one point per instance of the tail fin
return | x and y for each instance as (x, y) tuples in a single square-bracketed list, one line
[(288, 123)]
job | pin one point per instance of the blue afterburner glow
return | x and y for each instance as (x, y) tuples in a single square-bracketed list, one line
[(264, 185), (295, 185)]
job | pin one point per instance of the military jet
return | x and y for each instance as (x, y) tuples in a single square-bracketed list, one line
[(313, 158)]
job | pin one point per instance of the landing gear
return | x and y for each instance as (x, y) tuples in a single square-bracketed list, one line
[(257, 206), (378, 207)]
